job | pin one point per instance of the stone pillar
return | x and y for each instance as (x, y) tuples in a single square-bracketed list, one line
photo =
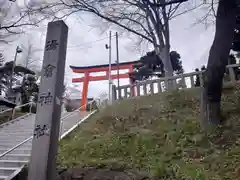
[(46, 130)]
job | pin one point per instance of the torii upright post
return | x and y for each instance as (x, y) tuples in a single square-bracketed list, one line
[(85, 92), (46, 130)]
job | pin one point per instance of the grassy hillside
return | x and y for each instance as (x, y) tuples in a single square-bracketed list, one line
[(161, 135)]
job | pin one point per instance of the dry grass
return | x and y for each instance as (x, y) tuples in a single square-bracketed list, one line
[(162, 135)]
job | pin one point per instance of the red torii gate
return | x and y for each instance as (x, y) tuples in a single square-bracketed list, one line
[(99, 68)]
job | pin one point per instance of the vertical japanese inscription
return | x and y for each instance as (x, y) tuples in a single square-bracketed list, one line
[(48, 70), (46, 130), (51, 45), (45, 98), (41, 130)]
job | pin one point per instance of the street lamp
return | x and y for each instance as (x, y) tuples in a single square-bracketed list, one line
[(18, 50)]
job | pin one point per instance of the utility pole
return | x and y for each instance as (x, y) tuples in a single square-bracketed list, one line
[(28, 55), (109, 47), (117, 51)]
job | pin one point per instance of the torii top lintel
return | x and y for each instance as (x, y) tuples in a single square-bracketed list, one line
[(104, 67)]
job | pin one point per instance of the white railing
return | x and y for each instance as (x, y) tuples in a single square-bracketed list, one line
[(154, 86)]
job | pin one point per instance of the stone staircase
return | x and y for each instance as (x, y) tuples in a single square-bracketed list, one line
[(16, 136)]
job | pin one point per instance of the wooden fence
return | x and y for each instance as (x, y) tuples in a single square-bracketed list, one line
[(154, 86)]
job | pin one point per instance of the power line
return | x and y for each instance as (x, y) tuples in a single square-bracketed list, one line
[(84, 44)]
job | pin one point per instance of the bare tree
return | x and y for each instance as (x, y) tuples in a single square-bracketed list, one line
[(217, 61), (223, 14), (13, 20), (148, 19)]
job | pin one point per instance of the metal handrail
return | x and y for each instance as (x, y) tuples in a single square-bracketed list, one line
[(13, 148), (10, 121), (70, 114), (76, 125), (10, 109), (23, 105), (6, 110)]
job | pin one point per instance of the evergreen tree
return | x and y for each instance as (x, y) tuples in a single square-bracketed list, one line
[(176, 62), (151, 65)]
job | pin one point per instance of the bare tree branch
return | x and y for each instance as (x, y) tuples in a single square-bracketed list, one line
[(209, 16), (174, 15), (13, 21), (148, 19), (212, 8)]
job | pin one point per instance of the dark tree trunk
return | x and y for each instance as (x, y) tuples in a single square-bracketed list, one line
[(217, 61)]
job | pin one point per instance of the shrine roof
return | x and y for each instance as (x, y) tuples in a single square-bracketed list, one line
[(103, 65)]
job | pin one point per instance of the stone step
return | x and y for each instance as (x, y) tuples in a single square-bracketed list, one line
[(3, 177), (13, 142), (11, 145), (7, 171), (20, 157), (17, 151), (10, 141), (19, 131), (9, 135), (12, 163)]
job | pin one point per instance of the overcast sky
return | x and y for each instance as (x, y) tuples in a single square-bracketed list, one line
[(86, 46)]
